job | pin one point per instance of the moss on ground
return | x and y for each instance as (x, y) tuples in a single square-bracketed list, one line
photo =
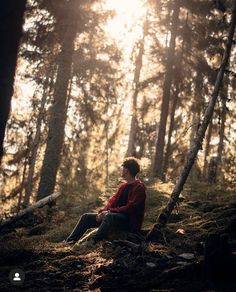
[(202, 210)]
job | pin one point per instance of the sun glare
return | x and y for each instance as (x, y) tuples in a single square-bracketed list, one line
[(127, 20), (125, 28)]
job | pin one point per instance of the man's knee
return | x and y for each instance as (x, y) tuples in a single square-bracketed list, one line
[(113, 218), (84, 216), (88, 217), (109, 217)]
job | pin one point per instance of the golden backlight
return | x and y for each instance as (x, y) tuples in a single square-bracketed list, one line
[(126, 25)]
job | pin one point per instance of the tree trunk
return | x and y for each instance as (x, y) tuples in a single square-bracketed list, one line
[(138, 67), (166, 212), (133, 126), (171, 128), (57, 117), (222, 134), (22, 184), (195, 123), (160, 144), (178, 88), (107, 124), (11, 21), (35, 146), (207, 150), (196, 116)]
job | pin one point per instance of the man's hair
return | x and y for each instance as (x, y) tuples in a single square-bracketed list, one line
[(132, 164)]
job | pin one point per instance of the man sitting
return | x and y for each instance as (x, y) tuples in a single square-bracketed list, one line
[(123, 211)]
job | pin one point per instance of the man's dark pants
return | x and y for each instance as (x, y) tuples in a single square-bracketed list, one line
[(111, 221)]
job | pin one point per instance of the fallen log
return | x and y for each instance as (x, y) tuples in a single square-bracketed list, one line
[(45, 201)]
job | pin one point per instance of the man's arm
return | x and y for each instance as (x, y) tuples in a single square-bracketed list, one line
[(132, 204), (111, 200)]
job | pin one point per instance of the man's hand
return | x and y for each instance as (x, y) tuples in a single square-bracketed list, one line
[(101, 216)]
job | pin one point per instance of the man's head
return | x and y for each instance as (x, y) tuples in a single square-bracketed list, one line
[(130, 167)]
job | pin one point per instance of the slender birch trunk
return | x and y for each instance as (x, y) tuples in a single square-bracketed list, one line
[(207, 150), (195, 123)]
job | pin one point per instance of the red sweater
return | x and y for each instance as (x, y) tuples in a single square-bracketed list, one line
[(135, 206)]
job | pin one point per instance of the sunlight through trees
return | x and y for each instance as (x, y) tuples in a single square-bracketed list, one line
[(100, 80)]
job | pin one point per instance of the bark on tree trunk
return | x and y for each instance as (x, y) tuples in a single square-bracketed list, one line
[(195, 123), (196, 117), (57, 117), (207, 150), (160, 144), (35, 146), (222, 134), (138, 67), (166, 212), (107, 124), (171, 128), (178, 88), (11, 21), (22, 184), (133, 126)]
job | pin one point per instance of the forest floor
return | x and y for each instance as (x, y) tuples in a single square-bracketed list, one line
[(174, 263)]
